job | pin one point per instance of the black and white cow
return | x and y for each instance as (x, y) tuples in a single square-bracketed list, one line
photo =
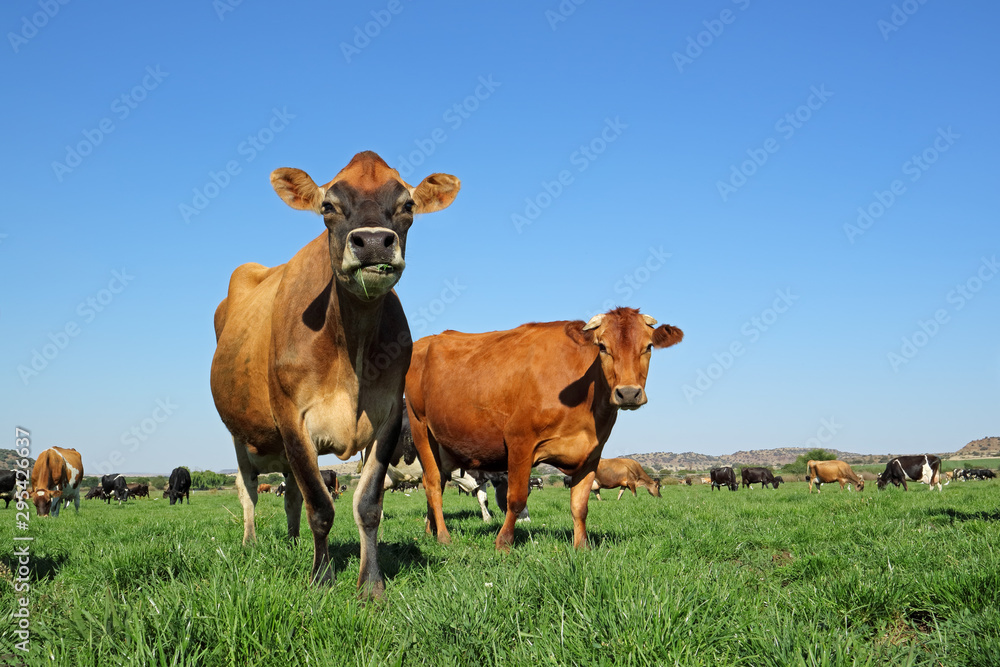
[(179, 486), (923, 468), (8, 480), (115, 486), (758, 475), (723, 477)]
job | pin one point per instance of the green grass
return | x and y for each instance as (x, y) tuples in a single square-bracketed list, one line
[(774, 577)]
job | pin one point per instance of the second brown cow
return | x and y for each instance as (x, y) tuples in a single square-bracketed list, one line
[(541, 393)]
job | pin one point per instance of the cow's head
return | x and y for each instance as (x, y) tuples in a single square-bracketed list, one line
[(656, 488), (881, 480), (44, 500), (367, 209), (625, 340), (860, 486)]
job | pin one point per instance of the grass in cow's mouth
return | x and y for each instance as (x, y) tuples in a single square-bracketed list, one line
[(359, 274)]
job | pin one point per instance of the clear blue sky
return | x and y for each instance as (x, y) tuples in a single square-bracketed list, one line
[(713, 157)]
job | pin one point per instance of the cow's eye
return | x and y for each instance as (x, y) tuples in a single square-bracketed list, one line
[(328, 208), (649, 348), (600, 346), (408, 207)]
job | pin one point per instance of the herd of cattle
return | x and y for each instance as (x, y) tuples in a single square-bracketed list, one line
[(314, 357), (57, 475)]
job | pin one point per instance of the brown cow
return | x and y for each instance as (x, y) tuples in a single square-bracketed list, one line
[(541, 393), (138, 490), (263, 488), (312, 354), (55, 480), (826, 472), (624, 473)]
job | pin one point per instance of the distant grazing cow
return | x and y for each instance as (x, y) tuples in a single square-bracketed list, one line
[(754, 475), (263, 488), (56, 478), (536, 483), (923, 468), (8, 480), (138, 490), (280, 490), (115, 486), (706, 480), (976, 473), (95, 492), (723, 477), (624, 473), (567, 481), (541, 393), (827, 472), (179, 486), (330, 482), (312, 354)]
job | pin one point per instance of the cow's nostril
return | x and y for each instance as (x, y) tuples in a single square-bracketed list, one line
[(388, 240), (357, 240)]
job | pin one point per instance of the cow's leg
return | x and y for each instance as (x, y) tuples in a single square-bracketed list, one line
[(430, 461), (518, 476), (246, 491), (484, 500), (303, 460), (368, 504), (621, 492), (578, 496), (293, 507)]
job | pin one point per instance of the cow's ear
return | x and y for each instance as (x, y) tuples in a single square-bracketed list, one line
[(436, 192), (666, 335), (579, 334), (297, 189), (56, 494)]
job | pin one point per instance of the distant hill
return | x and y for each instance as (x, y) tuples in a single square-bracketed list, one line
[(8, 457), (982, 448)]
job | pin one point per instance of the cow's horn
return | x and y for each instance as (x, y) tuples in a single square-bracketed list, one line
[(650, 320), (594, 322)]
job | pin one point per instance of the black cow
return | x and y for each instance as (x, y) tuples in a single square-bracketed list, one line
[(280, 490), (977, 473), (8, 480), (330, 480), (755, 475), (179, 486), (114, 486), (723, 477), (96, 492), (568, 482), (923, 468)]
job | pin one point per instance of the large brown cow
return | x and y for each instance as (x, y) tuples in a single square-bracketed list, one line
[(312, 354), (827, 472), (624, 473), (541, 393), (55, 480)]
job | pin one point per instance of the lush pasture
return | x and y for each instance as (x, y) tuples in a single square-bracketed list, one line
[(775, 577)]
